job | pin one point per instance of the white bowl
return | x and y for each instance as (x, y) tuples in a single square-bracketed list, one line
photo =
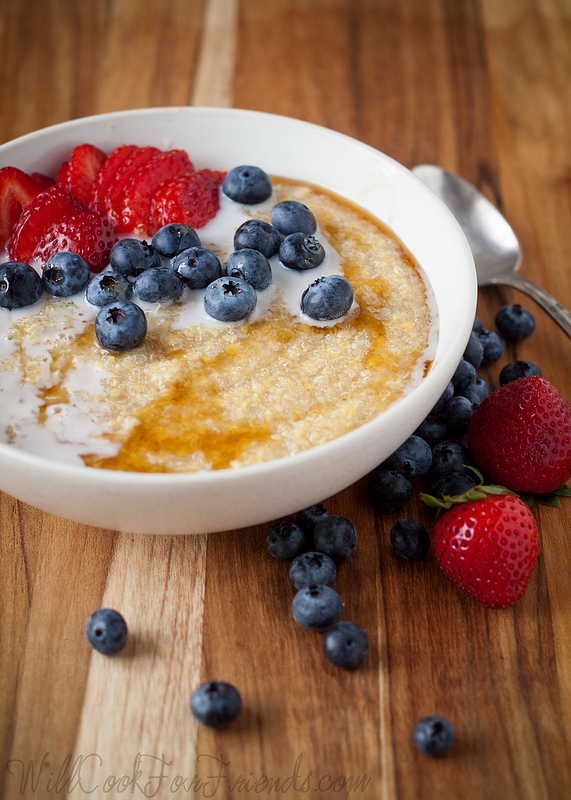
[(234, 498)]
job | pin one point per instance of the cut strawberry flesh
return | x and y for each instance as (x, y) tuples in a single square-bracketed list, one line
[(107, 173), (192, 200), (84, 164), (113, 200), (142, 185), (17, 190), (47, 208)]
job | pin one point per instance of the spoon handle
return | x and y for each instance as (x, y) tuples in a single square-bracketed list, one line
[(556, 311)]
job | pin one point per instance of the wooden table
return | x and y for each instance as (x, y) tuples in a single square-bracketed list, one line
[(479, 86)]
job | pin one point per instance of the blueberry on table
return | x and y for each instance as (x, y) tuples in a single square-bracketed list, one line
[(250, 265), (285, 540), (434, 735), (448, 456), (291, 216), (433, 430), (389, 490), (412, 459), (327, 298), (130, 257), (120, 326), (247, 184), (307, 517), (518, 369), (256, 234), (216, 704), (229, 299), (335, 536), (312, 568), (301, 251), (316, 607), (172, 239), (458, 413), (465, 373), (106, 631), (107, 287), (474, 351), (65, 274), (197, 267), (514, 322), (452, 483), (446, 395), (476, 391), (20, 285), (494, 347), (157, 285), (410, 539), (345, 645)]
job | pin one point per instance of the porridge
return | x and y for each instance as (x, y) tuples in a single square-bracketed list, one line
[(201, 394)]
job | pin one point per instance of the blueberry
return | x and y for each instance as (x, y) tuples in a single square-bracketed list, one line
[(443, 399), (197, 267), (474, 351), (301, 251), (494, 347), (518, 369), (312, 568), (335, 536), (449, 456), (389, 490), (172, 239), (316, 607), (256, 234), (216, 704), (345, 645), (410, 539), (286, 540), (452, 483), (247, 184), (157, 285), (20, 285), (458, 413), (107, 287), (412, 459), (250, 265), (432, 430), (433, 735), (465, 374), (327, 298), (291, 216), (106, 631), (476, 391), (477, 327), (65, 274), (120, 326), (229, 299), (130, 257), (515, 323), (308, 517)]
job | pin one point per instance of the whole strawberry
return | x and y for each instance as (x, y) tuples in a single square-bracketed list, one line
[(488, 546), (520, 436)]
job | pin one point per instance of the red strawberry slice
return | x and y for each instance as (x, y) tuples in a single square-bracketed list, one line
[(107, 173), (488, 547), (520, 436), (113, 200), (192, 200), (62, 174), (47, 208), (84, 164), (141, 187), (43, 181), (85, 233), (17, 190)]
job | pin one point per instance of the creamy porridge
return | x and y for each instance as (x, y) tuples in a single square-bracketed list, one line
[(197, 394)]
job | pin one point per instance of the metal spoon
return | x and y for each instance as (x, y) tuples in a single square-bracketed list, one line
[(496, 250)]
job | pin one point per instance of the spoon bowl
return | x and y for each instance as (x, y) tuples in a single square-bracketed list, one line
[(494, 245)]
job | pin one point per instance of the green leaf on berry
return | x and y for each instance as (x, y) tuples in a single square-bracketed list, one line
[(563, 491)]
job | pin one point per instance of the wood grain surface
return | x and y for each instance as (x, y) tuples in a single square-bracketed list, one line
[(481, 87)]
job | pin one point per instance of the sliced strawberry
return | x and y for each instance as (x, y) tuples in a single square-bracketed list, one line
[(43, 181), (107, 173), (84, 163), (85, 233), (17, 190), (46, 208), (191, 199), (141, 187), (113, 200)]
